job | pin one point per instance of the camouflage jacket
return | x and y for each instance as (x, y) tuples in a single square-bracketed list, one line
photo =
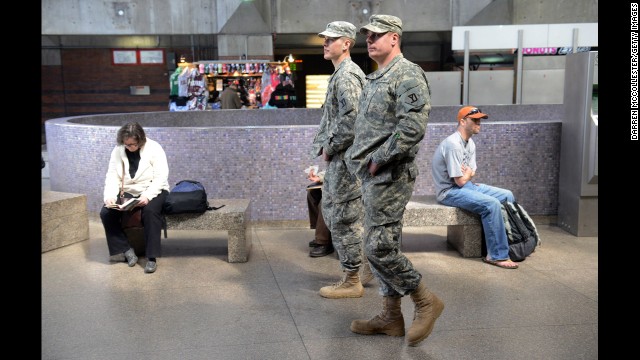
[(336, 133), (392, 119)]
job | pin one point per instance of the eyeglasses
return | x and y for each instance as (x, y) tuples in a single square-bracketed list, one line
[(131, 145), (375, 36), (472, 112)]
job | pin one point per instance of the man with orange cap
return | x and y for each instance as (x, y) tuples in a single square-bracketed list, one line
[(452, 168)]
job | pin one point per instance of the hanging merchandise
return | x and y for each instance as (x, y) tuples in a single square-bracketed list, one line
[(174, 82), (189, 88), (198, 90), (267, 86), (183, 82), (255, 79)]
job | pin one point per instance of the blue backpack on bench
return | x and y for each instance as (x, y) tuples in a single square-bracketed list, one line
[(187, 196)]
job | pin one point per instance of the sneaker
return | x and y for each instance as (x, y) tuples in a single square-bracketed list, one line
[(321, 250), (132, 259), (150, 267)]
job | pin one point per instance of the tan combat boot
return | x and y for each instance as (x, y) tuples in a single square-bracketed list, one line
[(348, 287), (365, 272), (389, 321), (428, 308)]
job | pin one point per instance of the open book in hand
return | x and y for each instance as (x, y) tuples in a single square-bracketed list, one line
[(127, 205), (313, 170)]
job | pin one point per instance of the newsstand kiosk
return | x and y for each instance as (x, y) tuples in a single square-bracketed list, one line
[(578, 185)]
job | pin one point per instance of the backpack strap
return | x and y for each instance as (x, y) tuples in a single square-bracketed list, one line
[(122, 184), (164, 224), (213, 207)]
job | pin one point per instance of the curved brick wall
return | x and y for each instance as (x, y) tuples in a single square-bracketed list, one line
[(261, 154)]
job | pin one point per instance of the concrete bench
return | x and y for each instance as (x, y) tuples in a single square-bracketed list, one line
[(64, 219), (234, 217), (464, 230)]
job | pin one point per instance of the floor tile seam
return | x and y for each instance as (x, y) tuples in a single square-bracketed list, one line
[(557, 274), (558, 281), (572, 268), (111, 291), (582, 294), (282, 294), (216, 347), (444, 328), (432, 275)]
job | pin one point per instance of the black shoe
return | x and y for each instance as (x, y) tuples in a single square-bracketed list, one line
[(321, 250), (313, 243)]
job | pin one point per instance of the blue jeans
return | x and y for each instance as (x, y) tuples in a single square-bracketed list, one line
[(484, 200)]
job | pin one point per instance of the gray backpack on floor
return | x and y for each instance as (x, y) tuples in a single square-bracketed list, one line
[(521, 231)]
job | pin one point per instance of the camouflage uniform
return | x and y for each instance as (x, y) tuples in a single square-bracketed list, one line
[(341, 199), (393, 113)]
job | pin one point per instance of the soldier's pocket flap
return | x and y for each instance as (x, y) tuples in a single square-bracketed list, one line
[(413, 172)]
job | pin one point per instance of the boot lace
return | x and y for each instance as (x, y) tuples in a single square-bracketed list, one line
[(340, 282)]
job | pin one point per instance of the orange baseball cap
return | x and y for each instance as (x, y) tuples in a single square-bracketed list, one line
[(472, 112)]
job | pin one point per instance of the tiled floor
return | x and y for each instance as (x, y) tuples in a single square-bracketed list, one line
[(199, 306)]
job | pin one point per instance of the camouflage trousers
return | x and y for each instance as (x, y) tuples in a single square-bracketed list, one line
[(344, 220), (385, 197)]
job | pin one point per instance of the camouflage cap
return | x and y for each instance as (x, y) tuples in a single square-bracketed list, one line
[(382, 24), (338, 29)]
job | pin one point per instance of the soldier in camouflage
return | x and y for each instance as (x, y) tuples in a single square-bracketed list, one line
[(392, 119), (341, 199)]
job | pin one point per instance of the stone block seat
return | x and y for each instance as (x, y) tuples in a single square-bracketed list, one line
[(234, 217), (464, 229), (64, 219)]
